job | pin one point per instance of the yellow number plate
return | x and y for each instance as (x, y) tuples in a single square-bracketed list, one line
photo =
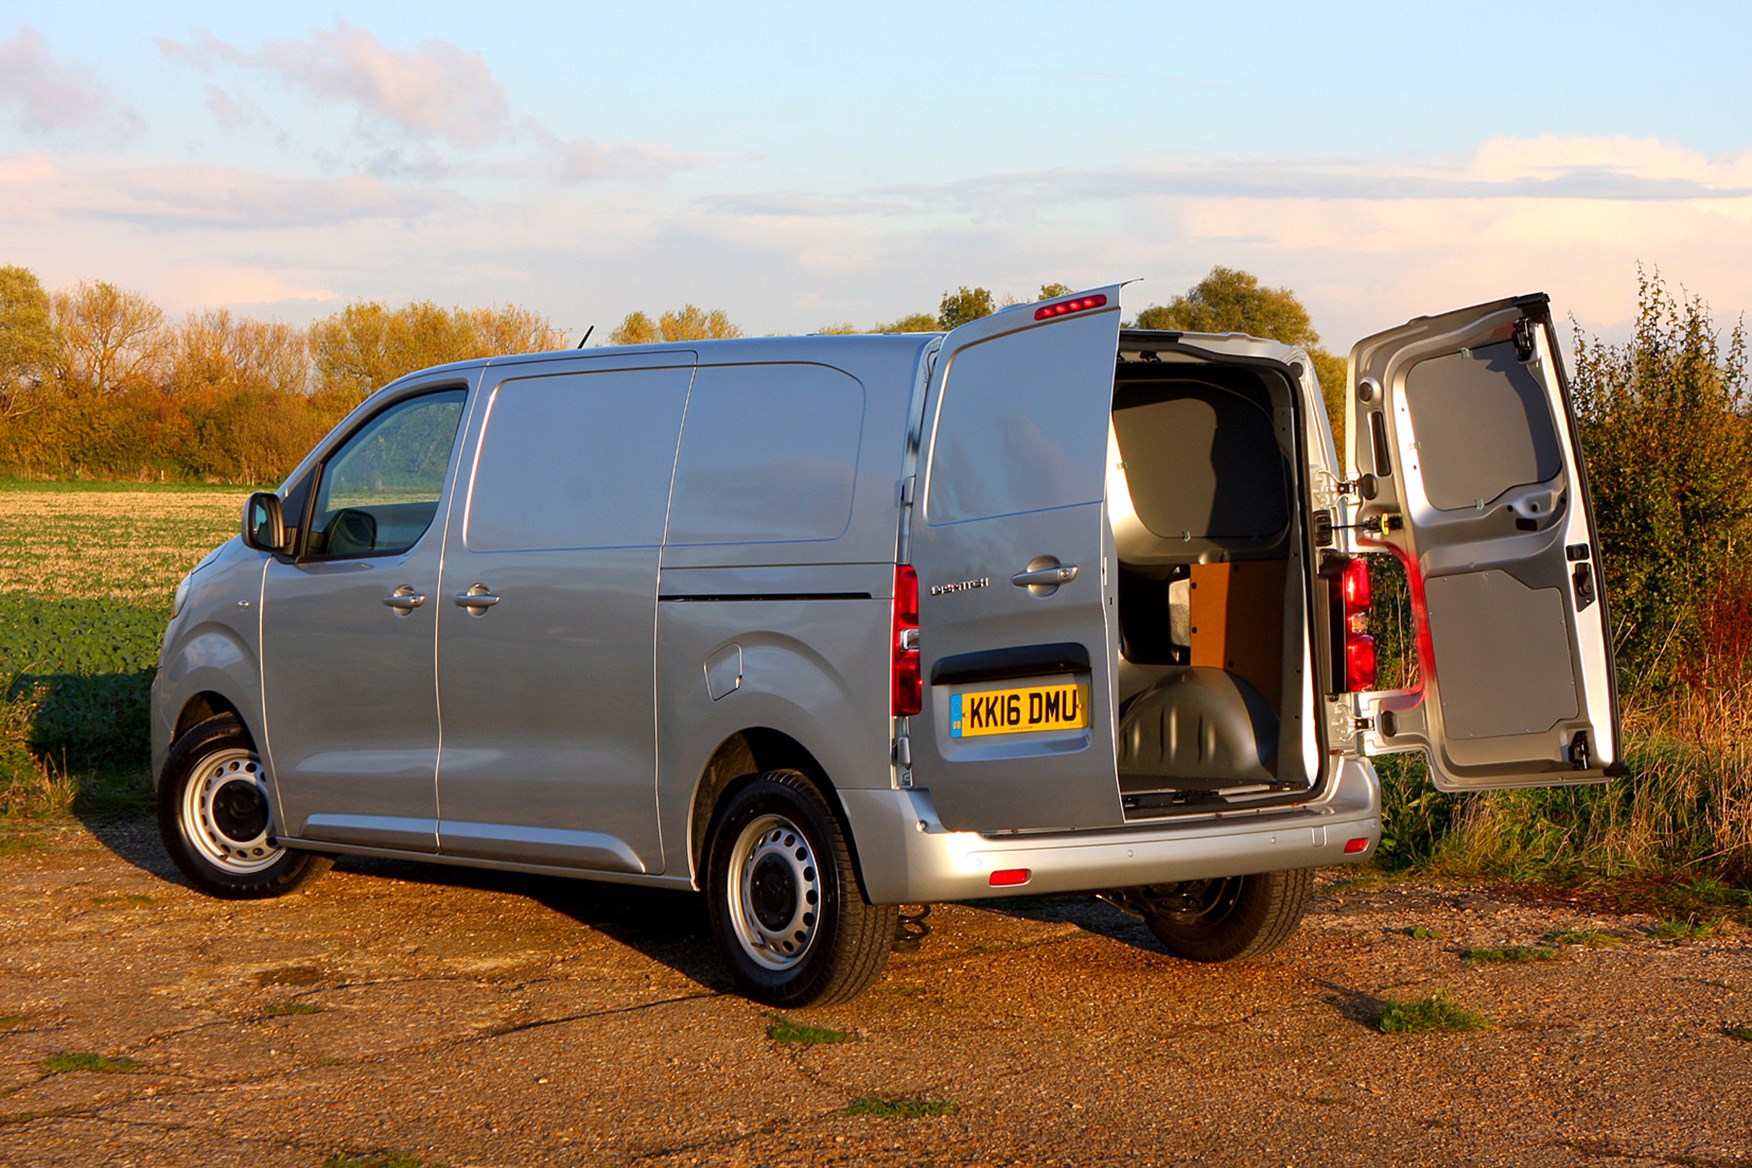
[(1018, 711)]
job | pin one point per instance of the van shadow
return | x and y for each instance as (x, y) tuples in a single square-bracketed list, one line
[(667, 926), (135, 840), (1084, 910), (86, 721)]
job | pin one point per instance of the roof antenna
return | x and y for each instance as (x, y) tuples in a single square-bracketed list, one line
[(586, 336)]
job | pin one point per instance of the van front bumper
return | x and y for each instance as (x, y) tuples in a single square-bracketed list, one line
[(905, 856)]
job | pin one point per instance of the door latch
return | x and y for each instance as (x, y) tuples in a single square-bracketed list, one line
[(1582, 576)]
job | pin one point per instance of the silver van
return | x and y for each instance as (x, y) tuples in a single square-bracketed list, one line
[(824, 626)]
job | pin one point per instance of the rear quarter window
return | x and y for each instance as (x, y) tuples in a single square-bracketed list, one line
[(769, 454)]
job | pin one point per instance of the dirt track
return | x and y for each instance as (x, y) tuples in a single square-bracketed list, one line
[(502, 1021)]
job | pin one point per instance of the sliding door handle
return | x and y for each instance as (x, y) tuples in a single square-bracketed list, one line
[(477, 599)]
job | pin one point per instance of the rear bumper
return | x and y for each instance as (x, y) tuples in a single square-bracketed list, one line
[(906, 856)]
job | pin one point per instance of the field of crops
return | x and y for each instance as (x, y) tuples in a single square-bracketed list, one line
[(86, 577)]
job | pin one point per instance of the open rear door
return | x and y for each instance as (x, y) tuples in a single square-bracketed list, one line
[(1008, 538), (1464, 454)]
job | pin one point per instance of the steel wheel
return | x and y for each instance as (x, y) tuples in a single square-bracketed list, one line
[(1227, 918), (225, 812), (776, 908), (216, 816), (786, 907), (1200, 902)]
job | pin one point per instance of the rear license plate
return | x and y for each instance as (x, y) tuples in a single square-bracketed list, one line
[(1019, 711)]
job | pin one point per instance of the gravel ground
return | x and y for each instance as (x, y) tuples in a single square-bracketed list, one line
[(465, 1018)]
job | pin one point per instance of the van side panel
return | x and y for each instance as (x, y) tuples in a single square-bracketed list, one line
[(809, 653)]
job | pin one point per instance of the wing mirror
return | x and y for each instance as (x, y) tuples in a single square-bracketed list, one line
[(264, 523)]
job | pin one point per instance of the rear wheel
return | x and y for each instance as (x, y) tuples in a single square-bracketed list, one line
[(1230, 918), (788, 912), (216, 819)]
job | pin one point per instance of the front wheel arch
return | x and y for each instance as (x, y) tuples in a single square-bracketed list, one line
[(216, 816)]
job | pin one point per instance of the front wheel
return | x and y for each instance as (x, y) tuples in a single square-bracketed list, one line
[(216, 819), (1230, 918), (788, 912)]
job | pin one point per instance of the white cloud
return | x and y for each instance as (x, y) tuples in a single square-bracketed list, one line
[(412, 103), (435, 92), (44, 97)]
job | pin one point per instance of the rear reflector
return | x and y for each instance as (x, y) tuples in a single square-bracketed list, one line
[(1009, 877), (1352, 847), (1066, 307)]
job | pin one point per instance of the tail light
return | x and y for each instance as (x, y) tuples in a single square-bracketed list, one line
[(1355, 595), (907, 687)]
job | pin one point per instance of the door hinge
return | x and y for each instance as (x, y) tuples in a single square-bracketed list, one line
[(902, 756), (906, 491), (1524, 345)]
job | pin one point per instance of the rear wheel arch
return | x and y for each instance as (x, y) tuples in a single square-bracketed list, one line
[(741, 759)]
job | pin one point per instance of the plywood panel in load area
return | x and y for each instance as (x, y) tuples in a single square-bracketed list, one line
[(1238, 621)]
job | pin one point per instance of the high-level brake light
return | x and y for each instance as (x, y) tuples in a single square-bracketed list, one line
[(1066, 307), (908, 689)]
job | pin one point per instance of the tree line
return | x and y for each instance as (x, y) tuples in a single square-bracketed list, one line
[(96, 381)]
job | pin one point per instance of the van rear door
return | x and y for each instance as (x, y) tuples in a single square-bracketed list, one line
[(1463, 450), (1007, 537)]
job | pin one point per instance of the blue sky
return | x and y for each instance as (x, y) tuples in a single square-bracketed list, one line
[(804, 165)]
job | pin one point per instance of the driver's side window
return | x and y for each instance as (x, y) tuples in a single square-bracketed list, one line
[(379, 492)]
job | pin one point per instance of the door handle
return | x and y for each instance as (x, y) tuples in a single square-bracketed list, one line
[(404, 600), (1053, 575), (477, 599)]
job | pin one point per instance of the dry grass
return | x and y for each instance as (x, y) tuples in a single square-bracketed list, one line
[(1685, 807), (129, 545)]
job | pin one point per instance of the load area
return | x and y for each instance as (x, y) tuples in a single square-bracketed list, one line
[(1213, 689)]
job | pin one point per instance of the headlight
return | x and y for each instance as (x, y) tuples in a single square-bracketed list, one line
[(182, 594)]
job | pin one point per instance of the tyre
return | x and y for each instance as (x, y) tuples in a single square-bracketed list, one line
[(1230, 918), (787, 910), (217, 820)]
